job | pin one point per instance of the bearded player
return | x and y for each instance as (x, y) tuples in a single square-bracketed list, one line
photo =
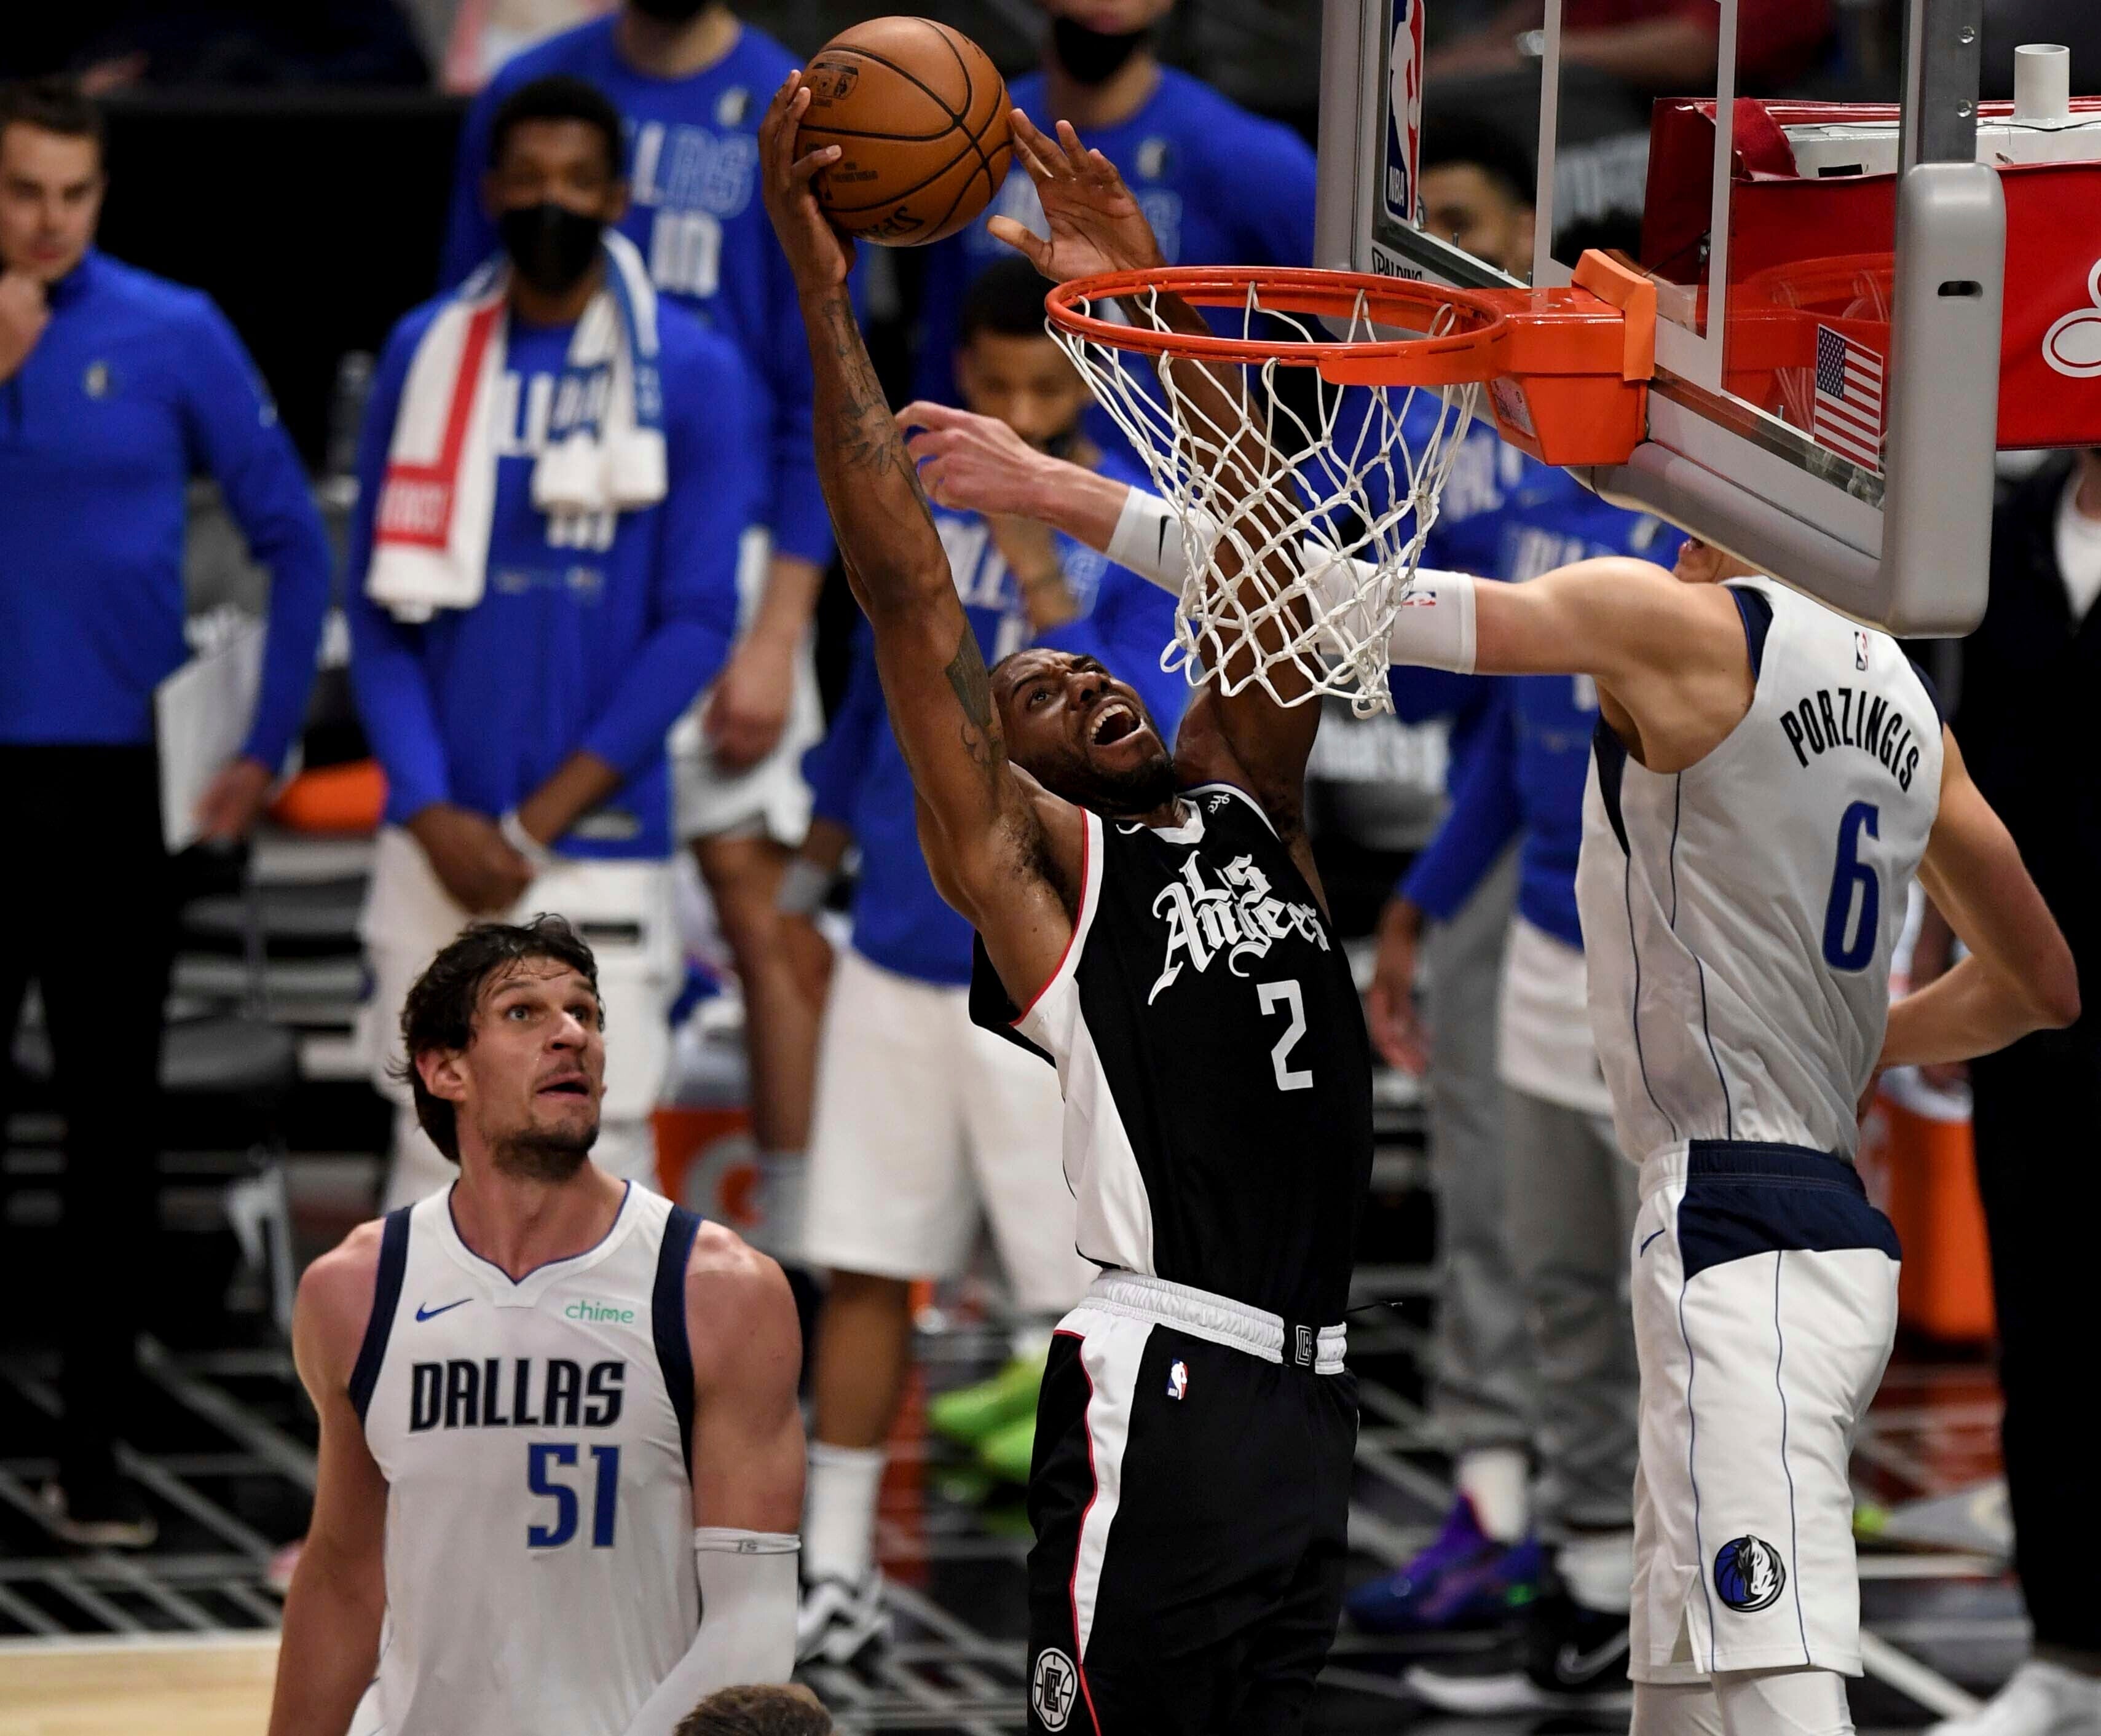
[(1767, 779), (1151, 922), (560, 1458)]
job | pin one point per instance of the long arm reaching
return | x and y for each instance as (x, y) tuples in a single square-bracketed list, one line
[(2019, 976), (986, 827)]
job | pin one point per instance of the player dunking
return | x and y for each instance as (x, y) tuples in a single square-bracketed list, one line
[(1157, 917), (560, 1458), (1768, 779)]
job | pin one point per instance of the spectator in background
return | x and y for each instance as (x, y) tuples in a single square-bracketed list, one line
[(1656, 47), (1477, 191), (1218, 185), (526, 624), (115, 388), (246, 43), (690, 83), (2031, 680), (924, 1123)]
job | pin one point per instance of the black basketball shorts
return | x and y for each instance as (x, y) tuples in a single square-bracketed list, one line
[(1190, 1499)]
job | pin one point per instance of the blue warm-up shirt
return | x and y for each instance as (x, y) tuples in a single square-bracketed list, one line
[(568, 648), (1219, 186), (136, 385), (857, 774), (1526, 776), (694, 211)]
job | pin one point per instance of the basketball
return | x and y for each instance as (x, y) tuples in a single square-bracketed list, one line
[(920, 116)]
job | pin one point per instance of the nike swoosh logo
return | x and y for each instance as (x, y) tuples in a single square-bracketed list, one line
[(431, 1313), (1576, 1668)]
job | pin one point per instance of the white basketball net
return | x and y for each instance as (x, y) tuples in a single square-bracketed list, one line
[(1302, 535)]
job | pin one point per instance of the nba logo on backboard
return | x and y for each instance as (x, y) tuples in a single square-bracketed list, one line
[(1404, 133)]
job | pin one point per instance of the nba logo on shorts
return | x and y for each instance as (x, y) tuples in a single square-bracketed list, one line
[(1052, 1686), (1404, 99), (1178, 1379), (1748, 1573)]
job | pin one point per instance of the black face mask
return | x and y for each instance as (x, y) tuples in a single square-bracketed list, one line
[(550, 245), (1093, 56), (671, 11)]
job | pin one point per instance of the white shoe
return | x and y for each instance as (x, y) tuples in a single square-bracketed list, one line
[(837, 1619), (2040, 1698)]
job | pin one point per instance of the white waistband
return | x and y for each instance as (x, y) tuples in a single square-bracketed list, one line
[(1217, 1317)]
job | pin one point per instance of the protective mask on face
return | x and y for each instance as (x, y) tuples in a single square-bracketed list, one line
[(1093, 57), (671, 11), (551, 246)]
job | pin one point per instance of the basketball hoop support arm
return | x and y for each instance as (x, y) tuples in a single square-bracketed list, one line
[(1943, 365)]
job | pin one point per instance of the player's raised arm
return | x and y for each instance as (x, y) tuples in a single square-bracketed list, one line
[(2019, 976), (1097, 226), (988, 825)]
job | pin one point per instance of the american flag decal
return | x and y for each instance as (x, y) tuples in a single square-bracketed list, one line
[(1848, 415)]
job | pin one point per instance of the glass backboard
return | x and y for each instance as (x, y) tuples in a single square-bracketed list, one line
[(1827, 402)]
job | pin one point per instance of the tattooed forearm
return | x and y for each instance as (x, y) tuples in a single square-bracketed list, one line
[(972, 686), (853, 415)]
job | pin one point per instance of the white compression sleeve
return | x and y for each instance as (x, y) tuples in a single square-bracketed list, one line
[(747, 1623), (1676, 1709), (1433, 630)]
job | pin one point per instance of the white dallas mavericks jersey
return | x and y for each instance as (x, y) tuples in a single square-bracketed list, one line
[(540, 1576), (1738, 915)]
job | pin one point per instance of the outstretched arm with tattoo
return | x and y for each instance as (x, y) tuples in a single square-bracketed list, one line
[(990, 834)]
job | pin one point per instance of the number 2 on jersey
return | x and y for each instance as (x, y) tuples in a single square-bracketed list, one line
[(1849, 938), (541, 1457), (1284, 996)]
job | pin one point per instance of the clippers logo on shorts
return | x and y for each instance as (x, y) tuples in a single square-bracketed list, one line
[(1053, 1686), (1239, 920), (1749, 1576), (1178, 1381)]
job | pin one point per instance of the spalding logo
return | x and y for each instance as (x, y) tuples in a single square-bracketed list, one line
[(829, 80), (1749, 1576)]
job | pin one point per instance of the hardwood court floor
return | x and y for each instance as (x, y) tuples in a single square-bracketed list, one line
[(183, 1685)]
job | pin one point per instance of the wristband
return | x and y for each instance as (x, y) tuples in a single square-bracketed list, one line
[(1435, 627), (803, 888), (515, 835)]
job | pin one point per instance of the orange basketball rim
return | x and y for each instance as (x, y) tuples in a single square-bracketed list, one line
[(1567, 370)]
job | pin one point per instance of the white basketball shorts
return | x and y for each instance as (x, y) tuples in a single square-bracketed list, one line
[(922, 1121), (769, 797), (1765, 1303)]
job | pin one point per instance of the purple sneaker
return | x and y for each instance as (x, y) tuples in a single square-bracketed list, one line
[(1465, 1579)]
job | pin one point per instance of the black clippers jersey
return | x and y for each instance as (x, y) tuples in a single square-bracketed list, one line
[(1212, 1053)]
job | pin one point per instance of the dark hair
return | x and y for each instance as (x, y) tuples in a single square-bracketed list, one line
[(1006, 299), (55, 105), (757, 1711), (558, 97), (439, 1014), (1449, 136)]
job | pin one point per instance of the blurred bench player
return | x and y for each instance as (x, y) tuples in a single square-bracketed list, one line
[(924, 1124), (561, 1455), (1189, 1493), (533, 605), (1767, 779), (690, 81)]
